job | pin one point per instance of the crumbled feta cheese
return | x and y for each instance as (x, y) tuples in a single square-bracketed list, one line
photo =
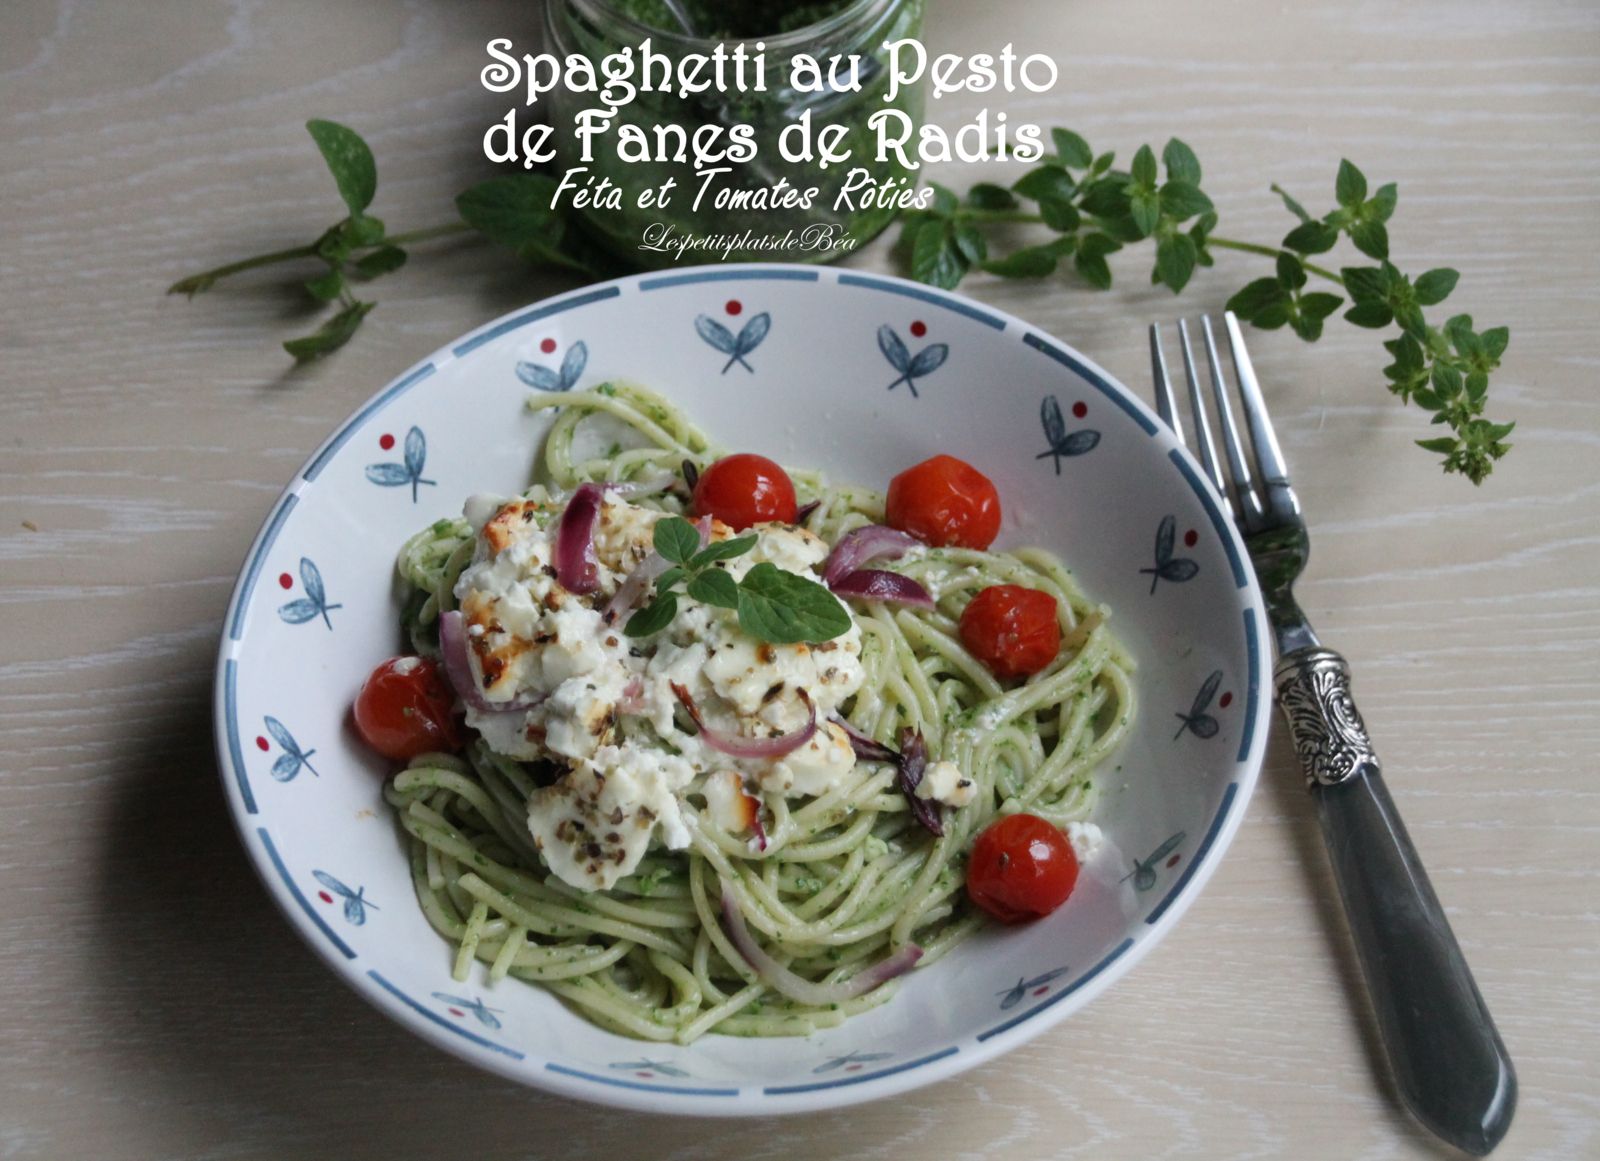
[(945, 782), (595, 824), (533, 641), (1086, 839), (788, 547), (814, 768), (480, 509), (727, 802)]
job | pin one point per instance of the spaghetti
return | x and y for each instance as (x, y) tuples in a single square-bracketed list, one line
[(846, 878)]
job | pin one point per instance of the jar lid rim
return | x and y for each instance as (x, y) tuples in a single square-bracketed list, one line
[(856, 10)]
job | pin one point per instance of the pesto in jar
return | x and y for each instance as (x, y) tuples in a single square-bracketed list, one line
[(764, 209), (746, 20)]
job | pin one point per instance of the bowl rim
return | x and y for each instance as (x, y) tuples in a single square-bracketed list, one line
[(900, 1077)]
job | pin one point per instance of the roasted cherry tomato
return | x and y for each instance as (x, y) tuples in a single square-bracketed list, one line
[(743, 490), (407, 708), (1011, 629), (1021, 867), (945, 502)]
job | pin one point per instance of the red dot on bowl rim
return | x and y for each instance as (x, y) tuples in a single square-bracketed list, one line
[(325, 897), (548, 346), (261, 743), (285, 581), (1041, 991), (1191, 538), (1080, 409), (457, 1012), (1173, 861), (919, 328), (733, 306), (645, 1075), (386, 441), (1227, 699), (852, 1068)]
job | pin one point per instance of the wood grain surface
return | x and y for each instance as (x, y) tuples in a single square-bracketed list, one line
[(155, 1004)]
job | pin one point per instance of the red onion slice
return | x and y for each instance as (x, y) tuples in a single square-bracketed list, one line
[(632, 700), (458, 668), (738, 746), (576, 566), (803, 991), (876, 584), (856, 548), (867, 749), (913, 763)]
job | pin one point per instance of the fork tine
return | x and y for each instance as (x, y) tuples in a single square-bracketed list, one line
[(1274, 472), (1238, 464), (1166, 404), (1268, 454), (1202, 425)]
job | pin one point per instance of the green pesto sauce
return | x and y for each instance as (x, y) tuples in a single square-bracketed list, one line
[(739, 20)]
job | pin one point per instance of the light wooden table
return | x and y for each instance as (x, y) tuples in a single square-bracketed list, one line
[(155, 1005)]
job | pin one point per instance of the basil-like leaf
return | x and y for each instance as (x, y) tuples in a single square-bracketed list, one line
[(653, 618), (326, 287), (331, 335), (1072, 149), (380, 261), (715, 587), (783, 608), (676, 539), (349, 160), (514, 212), (723, 550)]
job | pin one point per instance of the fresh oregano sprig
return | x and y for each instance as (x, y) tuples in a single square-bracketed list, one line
[(774, 605), (512, 211), (1443, 369), (1095, 210)]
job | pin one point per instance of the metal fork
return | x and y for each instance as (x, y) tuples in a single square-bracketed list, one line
[(1450, 1067)]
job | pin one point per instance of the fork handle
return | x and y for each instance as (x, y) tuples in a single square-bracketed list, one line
[(1449, 1064)]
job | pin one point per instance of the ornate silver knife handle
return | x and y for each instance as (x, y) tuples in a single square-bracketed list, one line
[(1313, 687)]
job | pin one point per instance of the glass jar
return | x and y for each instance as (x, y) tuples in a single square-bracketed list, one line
[(732, 220)]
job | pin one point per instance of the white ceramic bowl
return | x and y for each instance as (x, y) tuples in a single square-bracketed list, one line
[(315, 609)]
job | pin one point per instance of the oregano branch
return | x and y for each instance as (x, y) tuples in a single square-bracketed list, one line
[(1094, 210)]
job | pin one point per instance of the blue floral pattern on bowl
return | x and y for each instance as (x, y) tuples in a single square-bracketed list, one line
[(1038, 985), (1169, 567), (356, 903), (911, 367), (461, 1007), (409, 470), (849, 1062), (293, 759), (1197, 721), (1064, 443), (647, 1069), (562, 378), (314, 603), (735, 346), (1146, 869)]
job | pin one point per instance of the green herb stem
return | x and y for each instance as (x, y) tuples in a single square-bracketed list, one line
[(427, 235), (1271, 252), (198, 282)]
